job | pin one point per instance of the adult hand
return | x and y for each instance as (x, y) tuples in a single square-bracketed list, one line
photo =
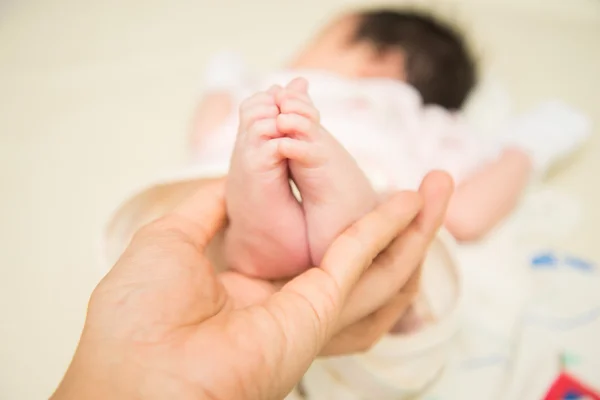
[(388, 286), (163, 325)]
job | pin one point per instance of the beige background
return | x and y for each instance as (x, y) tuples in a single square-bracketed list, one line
[(95, 96)]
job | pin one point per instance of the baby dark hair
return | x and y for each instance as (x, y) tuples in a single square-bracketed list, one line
[(437, 61)]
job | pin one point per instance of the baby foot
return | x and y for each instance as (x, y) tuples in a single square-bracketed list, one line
[(267, 235), (335, 192)]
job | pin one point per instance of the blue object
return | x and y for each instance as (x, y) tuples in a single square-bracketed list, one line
[(572, 396), (578, 263), (544, 260)]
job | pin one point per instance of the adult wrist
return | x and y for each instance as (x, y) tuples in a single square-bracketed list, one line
[(90, 377)]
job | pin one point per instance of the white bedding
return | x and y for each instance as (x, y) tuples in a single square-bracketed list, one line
[(532, 309)]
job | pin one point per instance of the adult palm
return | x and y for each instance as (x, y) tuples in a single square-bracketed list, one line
[(163, 324)]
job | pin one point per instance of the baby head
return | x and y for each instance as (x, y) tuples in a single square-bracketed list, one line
[(405, 45)]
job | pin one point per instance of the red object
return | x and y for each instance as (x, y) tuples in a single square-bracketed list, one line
[(566, 387)]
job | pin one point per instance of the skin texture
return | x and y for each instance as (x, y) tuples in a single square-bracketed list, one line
[(162, 324), (267, 223), (281, 138)]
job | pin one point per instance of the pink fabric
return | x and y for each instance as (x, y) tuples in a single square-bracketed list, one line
[(381, 122)]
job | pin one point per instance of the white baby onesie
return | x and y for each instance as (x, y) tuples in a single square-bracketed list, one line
[(381, 122)]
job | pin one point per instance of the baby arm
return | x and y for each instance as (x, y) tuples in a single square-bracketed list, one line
[(488, 196), (531, 145), (212, 111)]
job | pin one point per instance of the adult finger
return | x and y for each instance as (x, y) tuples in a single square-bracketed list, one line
[(356, 248), (170, 250), (362, 335), (193, 223), (437, 186), (199, 217), (392, 268), (310, 304)]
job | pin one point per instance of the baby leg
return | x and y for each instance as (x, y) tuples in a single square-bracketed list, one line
[(335, 192), (267, 235)]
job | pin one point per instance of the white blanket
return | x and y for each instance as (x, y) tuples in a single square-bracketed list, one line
[(531, 310)]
